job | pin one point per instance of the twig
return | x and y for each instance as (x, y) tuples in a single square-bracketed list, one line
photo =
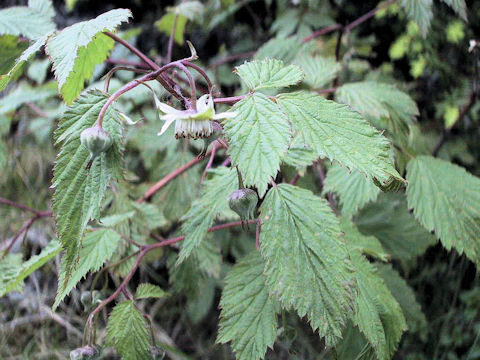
[(24, 207), (160, 184), (295, 179), (171, 38), (321, 32), (210, 162), (37, 110), (367, 16), (229, 100), (137, 64), (257, 234)]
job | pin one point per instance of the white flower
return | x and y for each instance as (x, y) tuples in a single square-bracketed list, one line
[(192, 123)]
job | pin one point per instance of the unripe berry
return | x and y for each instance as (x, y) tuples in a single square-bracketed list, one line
[(96, 140), (244, 202)]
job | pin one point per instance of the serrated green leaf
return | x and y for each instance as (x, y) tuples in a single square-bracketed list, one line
[(28, 267), (389, 220), (368, 245), (145, 291), (77, 49), (127, 332), (300, 156), (97, 247), (377, 313), (319, 71), (459, 6), (33, 21), (79, 192), (405, 296), (419, 11), (307, 264), (353, 188), (446, 199), (116, 219), (213, 200), (248, 315), (26, 55), (259, 137), (340, 134), (383, 104), (269, 74)]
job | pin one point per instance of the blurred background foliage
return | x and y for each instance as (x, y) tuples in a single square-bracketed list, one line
[(438, 290)]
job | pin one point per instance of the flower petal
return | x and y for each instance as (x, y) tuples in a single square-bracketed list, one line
[(225, 115), (166, 125), (166, 109)]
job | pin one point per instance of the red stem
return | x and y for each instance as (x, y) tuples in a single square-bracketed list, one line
[(210, 162), (230, 100), (24, 207)]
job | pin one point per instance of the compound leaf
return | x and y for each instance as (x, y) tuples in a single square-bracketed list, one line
[(77, 49), (127, 332), (79, 192), (340, 134), (268, 74), (259, 138), (307, 265), (248, 315), (97, 247), (446, 199)]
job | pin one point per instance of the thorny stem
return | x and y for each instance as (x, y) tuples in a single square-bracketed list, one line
[(161, 78)]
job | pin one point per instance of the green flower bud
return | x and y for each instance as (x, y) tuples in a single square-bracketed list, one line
[(244, 202), (83, 353), (89, 299), (96, 140)]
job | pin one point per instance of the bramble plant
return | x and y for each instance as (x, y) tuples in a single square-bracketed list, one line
[(319, 159)]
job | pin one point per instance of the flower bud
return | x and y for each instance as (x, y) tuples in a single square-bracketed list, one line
[(86, 352), (89, 299), (244, 202), (96, 140)]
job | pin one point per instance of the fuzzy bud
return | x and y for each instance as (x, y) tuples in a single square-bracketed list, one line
[(244, 202), (96, 140)]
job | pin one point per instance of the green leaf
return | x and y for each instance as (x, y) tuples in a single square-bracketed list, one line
[(281, 48), (368, 245), (377, 313), (319, 71), (33, 21), (353, 188), (307, 264), (97, 247), (248, 315), (10, 49), (145, 291), (26, 55), (127, 332), (24, 94), (259, 137), (419, 11), (405, 296), (28, 267), (459, 6), (77, 49), (165, 25), (383, 104), (340, 134), (78, 192), (269, 74), (10, 266), (389, 221), (446, 199), (202, 213)]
